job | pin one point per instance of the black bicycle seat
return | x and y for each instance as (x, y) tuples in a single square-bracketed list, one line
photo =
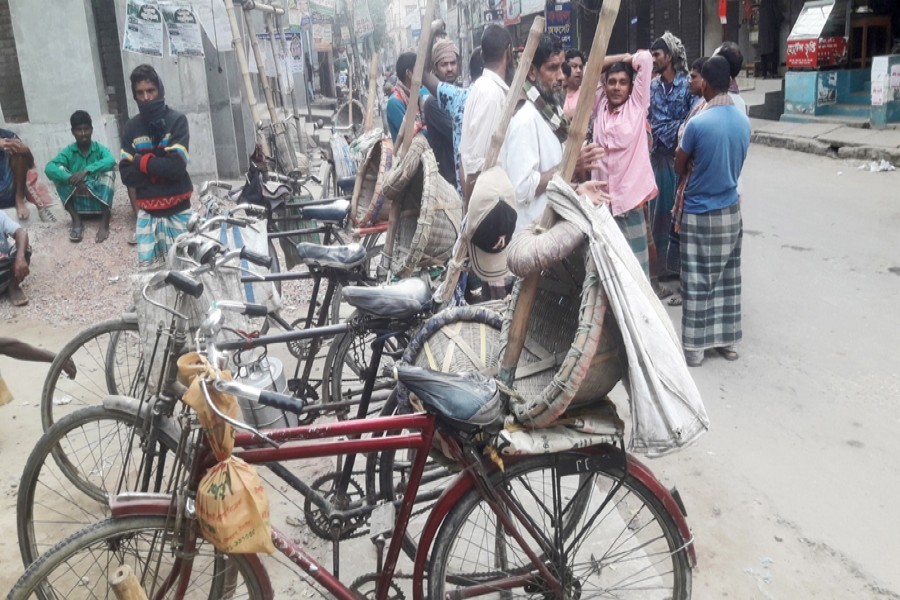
[(335, 257), (397, 301), (465, 401), (346, 185), (334, 212)]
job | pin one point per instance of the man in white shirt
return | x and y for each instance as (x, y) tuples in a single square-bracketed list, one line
[(533, 147), (485, 102)]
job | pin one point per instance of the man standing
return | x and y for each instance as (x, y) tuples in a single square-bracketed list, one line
[(484, 104), (443, 109), (533, 147), (575, 61), (670, 103), (620, 129), (154, 162), (717, 141), (732, 53), (14, 258), (85, 177), (399, 99)]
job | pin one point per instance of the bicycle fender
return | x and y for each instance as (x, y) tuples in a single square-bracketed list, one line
[(160, 505), (642, 473), (135, 407)]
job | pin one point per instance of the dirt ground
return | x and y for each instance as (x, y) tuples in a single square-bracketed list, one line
[(790, 494)]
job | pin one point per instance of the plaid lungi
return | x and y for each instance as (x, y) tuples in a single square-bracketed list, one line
[(661, 208), (102, 190), (634, 227), (155, 235), (711, 278)]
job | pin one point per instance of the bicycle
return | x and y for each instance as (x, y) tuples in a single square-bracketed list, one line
[(535, 526)]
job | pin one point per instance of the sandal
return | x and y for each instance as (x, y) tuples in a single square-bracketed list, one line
[(663, 292), (675, 301), (76, 234), (727, 354)]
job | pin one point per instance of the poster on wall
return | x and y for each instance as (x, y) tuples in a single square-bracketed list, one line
[(559, 22), (321, 32), (512, 12), (143, 28), (285, 64), (295, 47), (183, 29), (827, 92), (214, 20)]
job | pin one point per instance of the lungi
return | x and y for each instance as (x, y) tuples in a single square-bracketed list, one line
[(101, 188), (661, 208), (711, 278), (155, 235), (634, 227), (8, 253)]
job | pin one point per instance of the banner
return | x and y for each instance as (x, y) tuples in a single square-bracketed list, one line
[(143, 28), (183, 29), (302, 8), (285, 63), (322, 7), (559, 22), (362, 19), (530, 7), (512, 12), (321, 32)]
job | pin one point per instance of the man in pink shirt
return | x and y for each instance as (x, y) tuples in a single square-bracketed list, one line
[(620, 128), (575, 66)]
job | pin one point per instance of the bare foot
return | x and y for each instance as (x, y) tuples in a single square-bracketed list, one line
[(17, 296), (22, 211), (102, 233)]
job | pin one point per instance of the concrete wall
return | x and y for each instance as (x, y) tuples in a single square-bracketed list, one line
[(186, 92), (12, 96)]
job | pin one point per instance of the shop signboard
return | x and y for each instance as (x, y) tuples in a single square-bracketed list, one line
[(559, 22), (816, 40)]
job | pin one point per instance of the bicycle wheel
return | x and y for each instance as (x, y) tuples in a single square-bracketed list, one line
[(276, 265), (346, 364), (109, 360), (81, 566), (73, 469), (600, 534)]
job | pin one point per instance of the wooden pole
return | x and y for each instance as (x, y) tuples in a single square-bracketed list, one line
[(373, 90), (125, 585), (261, 67), (577, 130), (245, 73), (407, 128)]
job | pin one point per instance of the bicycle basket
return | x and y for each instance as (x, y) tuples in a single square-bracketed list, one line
[(430, 212), (574, 355), (368, 205)]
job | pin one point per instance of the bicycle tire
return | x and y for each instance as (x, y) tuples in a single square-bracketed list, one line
[(275, 268), (109, 544), (495, 557), (109, 359), (53, 501)]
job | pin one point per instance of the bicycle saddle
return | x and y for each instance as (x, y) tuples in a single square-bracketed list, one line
[(346, 185), (335, 211), (335, 257), (465, 401), (397, 300)]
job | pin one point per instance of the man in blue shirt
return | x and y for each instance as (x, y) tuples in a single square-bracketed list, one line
[(396, 104), (716, 142), (670, 104)]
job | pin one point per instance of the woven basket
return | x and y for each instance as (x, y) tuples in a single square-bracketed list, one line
[(430, 212), (572, 354), (368, 205), (342, 115)]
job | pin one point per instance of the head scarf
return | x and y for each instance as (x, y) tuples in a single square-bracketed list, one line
[(153, 112), (670, 44), (444, 49)]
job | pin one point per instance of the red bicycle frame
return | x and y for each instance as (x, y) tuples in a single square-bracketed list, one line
[(296, 446)]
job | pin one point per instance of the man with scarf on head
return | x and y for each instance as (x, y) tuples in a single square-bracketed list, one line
[(533, 146), (154, 162), (670, 103), (443, 109), (715, 142), (85, 178)]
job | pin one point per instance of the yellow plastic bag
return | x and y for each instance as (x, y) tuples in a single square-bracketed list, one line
[(232, 504), (233, 509)]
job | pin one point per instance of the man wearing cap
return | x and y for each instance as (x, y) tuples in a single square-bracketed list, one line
[(154, 162), (84, 174), (670, 103), (532, 149), (443, 109)]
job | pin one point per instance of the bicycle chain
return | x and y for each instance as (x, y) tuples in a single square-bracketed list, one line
[(395, 592)]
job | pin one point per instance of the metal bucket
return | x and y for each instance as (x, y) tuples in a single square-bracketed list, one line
[(266, 374)]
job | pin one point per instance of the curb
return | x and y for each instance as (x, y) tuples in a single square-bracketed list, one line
[(813, 146)]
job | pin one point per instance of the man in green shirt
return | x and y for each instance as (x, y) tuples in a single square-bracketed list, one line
[(84, 175)]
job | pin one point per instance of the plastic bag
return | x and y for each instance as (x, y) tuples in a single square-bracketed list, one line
[(233, 509)]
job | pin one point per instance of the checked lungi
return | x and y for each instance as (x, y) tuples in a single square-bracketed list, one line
[(155, 235), (711, 278), (634, 227), (101, 187), (661, 208)]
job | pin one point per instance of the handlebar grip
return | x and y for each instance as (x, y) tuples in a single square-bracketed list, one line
[(223, 185), (236, 221), (185, 284), (255, 310), (263, 260), (281, 401)]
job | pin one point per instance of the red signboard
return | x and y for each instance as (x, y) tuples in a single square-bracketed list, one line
[(816, 53)]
